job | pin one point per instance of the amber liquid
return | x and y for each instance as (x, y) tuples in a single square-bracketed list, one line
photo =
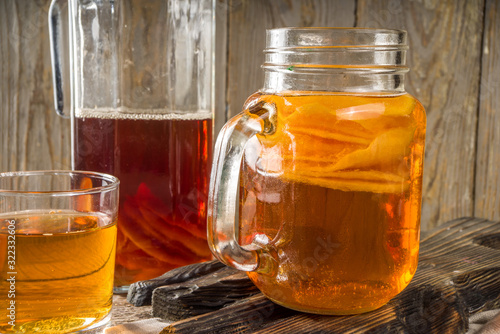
[(163, 163), (63, 272), (334, 194)]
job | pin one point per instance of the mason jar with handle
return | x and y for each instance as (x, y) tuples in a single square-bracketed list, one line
[(327, 160), (136, 79)]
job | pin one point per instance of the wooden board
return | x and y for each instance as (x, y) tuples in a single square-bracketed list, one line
[(32, 136), (444, 59), (247, 24), (487, 191), (123, 312), (140, 293), (222, 10), (458, 275)]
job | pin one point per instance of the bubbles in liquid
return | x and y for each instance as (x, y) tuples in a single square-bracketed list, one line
[(142, 114)]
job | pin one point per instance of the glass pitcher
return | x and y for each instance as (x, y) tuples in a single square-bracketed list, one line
[(327, 161), (136, 79)]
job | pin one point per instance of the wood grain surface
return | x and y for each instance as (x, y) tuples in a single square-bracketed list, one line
[(445, 62), (458, 276), (32, 136), (454, 58), (123, 312), (247, 24), (487, 194)]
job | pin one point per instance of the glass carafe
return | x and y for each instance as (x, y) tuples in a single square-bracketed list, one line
[(327, 160), (136, 79)]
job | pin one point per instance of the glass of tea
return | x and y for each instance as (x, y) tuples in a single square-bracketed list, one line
[(57, 251), (327, 160), (140, 84)]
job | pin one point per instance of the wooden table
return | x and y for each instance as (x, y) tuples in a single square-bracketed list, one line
[(458, 276), (124, 312)]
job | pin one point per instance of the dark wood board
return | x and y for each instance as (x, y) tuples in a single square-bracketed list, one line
[(487, 191), (177, 301), (458, 275), (140, 293)]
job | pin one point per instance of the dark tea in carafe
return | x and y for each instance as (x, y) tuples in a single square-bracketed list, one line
[(163, 163)]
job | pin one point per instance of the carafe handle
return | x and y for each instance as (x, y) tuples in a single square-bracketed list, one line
[(59, 33), (259, 118)]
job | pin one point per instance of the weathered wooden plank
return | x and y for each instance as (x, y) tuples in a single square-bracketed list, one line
[(32, 136), (487, 194), (222, 10), (458, 275), (140, 293), (445, 42), (248, 21), (124, 312), (237, 318), (205, 294)]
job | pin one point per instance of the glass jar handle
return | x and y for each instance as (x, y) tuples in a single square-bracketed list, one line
[(224, 182), (59, 34)]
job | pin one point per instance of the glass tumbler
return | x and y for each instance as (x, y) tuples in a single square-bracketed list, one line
[(57, 251)]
